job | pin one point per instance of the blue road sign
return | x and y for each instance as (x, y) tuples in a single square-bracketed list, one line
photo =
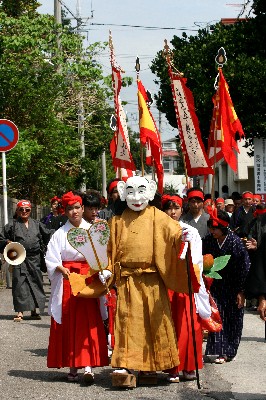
[(8, 135)]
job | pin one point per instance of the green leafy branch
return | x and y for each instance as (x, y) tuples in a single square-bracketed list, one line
[(219, 263)]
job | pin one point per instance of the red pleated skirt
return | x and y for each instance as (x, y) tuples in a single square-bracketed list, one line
[(80, 340), (180, 306)]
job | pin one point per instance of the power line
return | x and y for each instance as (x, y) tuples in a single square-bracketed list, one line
[(145, 27)]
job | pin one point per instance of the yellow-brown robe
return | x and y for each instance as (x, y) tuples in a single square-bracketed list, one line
[(143, 251)]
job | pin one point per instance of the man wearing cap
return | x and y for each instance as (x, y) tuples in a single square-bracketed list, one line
[(27, 282), (243, 215), (196, 216), (229, 206)]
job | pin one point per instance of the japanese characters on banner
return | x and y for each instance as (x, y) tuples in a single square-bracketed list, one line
[(197, 162), (260, 167)]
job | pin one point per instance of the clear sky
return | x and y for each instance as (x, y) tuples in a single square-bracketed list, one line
[(145, 42)]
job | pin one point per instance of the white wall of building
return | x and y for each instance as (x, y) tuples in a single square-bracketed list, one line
[(240, 181)]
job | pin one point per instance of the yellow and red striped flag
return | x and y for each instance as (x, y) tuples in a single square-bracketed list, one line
[(149, 134)]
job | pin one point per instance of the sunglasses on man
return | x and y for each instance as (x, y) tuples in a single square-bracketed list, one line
[(24, 209)]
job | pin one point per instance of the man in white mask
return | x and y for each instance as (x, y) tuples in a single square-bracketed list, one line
[(144, 250)]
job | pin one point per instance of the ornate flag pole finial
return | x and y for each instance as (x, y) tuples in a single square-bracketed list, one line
[(221, 58), (168, 55), (167, 52), (111, 45), (137, 66)]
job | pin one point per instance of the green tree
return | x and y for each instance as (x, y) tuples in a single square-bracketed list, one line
[(16, 8), (42, 89), (244, 71)]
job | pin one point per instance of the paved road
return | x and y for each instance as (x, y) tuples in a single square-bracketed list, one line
[(23, 372)]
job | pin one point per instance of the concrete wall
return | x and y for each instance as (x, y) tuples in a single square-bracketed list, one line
[(240, 181)]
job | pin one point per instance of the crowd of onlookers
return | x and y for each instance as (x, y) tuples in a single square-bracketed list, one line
[(232, 225)]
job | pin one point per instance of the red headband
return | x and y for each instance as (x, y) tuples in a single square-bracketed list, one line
[(247, 195), (219, 200), (174, 199), (24, 203), (215, 220), (195, 193), (70, 198), (55, 198), (257, 196), (112, 186)]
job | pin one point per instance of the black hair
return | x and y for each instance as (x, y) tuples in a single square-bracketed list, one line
[(207, 196), (119, 206), (157, 201), (91, 198), (225, 189), (169, 203), (236, 196), (261, 206)]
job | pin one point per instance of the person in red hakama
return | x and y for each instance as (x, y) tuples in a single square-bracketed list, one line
[(180, 304), (77, 336)]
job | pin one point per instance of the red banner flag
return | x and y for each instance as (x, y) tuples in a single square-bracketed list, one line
[(197, 162), (224, 126), (149, 134), (119, 146)]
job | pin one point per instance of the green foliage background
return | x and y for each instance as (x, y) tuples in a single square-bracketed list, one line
[(45, 77)]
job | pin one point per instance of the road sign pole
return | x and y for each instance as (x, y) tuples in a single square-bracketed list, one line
[(9, 136), (4, 188)]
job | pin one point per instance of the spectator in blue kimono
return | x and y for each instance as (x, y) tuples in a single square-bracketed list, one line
[(228, 292)]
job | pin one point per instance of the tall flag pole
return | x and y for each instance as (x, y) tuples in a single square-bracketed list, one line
[(196, 160), (137, 68), (149, 134), (225, 124), (119, 146)]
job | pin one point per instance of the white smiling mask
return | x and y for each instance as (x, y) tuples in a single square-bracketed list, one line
[(137, 192)]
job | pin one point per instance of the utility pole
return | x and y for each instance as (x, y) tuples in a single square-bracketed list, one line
[(81, 130), (57, 11), (58, 20)]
